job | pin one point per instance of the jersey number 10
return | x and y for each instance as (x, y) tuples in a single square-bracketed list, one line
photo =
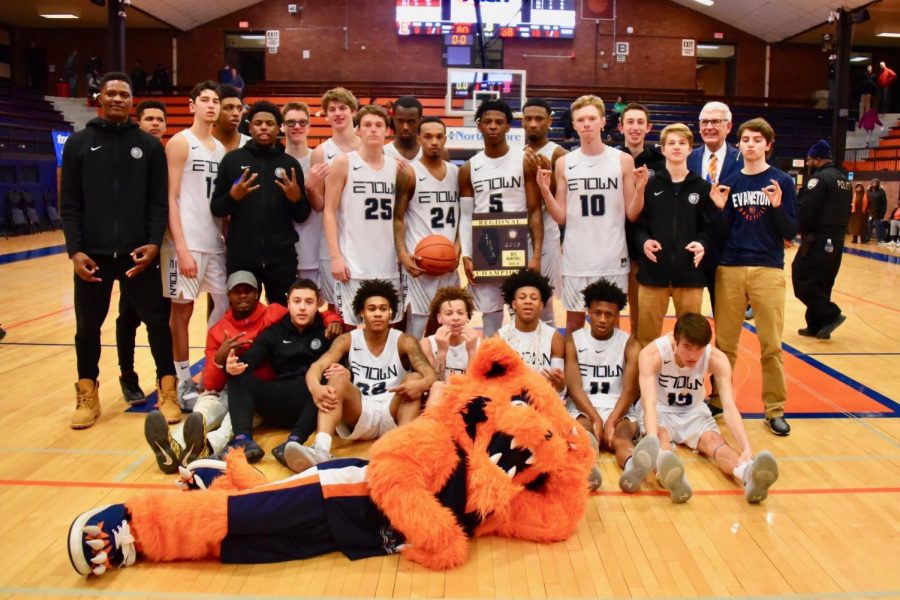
[(593, 206)]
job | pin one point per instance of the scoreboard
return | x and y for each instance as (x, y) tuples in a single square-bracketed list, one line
[(503, 18)]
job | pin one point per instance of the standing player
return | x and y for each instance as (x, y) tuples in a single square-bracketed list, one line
[(231, 110), (497, 179), (360, 194), (151, 117), (536, 117), (602, 383), (453, 345), (596, 191), (635, 124), (309, 232), (383, 389), (433, 209), (340, 108), (672, 373), (407, 117), (193, 252)]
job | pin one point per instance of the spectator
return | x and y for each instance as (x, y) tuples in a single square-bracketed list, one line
[(72, 73), (160, 81), (859, 212), (867, 89), (885, 78), (225, 74), (237, 81), (877, 209), (868, 122), (139, 78)]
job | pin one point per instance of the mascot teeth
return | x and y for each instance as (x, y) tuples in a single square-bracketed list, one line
[(511, 472), (529, 460), (512, 444), (496, 458)]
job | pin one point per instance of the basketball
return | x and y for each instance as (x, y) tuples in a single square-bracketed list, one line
[(436, 255)]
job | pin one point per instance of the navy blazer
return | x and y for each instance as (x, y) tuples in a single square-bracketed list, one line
[(733, 164)]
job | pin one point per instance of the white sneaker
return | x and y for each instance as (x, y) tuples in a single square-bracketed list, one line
[(299, 458), (188, 394), (759, 476), (642, 461), (671, 476)]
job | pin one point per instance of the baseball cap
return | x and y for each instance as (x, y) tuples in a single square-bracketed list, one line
[(239, 277)]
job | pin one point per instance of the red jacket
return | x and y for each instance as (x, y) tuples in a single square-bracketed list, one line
[(886, 77), (214, 378)]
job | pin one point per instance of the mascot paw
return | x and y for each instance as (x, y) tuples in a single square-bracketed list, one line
[(449, 556)]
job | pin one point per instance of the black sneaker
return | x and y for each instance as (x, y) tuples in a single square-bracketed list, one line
[(100, 539), (825, 332), (278, 453), (806, 332), (166, 450), (778, 426), (195, 445), (252, 450), (131, 389)]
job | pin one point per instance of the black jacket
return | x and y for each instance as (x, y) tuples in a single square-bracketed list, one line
[(825, 202), (114, 189), (652, 157), (673, 220), (288, 350), (261, 230)]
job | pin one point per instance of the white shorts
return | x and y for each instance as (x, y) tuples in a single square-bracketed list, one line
[(551, 264), (573, 285), (603, 408), (344, 292), (326, 281), (422, 289), (311, 274), (211, 275), (487, 296), (687, 427), (374, 419)]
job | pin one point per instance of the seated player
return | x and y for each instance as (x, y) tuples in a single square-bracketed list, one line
[(453, 345), (672, 373), (207, 430), (291, 346), (540, 345), (384, 387), (602, 382)]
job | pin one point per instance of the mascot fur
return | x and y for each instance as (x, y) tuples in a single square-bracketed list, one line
[(495, 454)]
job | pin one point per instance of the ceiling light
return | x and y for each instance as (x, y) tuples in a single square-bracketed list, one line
[(705, 2), (859, 59), (59, 16), (888, 34), (707, 47), (253, 37)]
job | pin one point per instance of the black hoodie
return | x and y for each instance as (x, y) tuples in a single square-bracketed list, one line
[(114, 191), (261, 230)]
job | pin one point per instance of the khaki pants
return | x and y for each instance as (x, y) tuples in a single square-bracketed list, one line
[(653, 303), (764, 289)]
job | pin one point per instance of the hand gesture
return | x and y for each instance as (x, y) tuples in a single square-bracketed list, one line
[(290, 187), (231, 342), (469, 268), (243, 185), (556, 377), (409, 263), (532, 158), (641, 177), (339, 269), (471, 338), (315, 177), (85, 267), (233, 365), (773, 193), (442, 338), (651, 247), (698, 250), (719, 195), (187, 266), (543, 178)]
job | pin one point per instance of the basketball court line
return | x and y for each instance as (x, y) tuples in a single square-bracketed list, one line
[(13, 257), (888, 258), (72, 345)]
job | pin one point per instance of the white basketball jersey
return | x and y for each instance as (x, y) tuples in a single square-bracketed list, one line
[(330, 151), (365, 219), (391, 150), (602, 366), (457, 360), (309, 231), (551, 228), (595, 214), (679, 389), (201, 230), (375, 375), (434, 207), (244, 139), (499, 183), (533, 346)]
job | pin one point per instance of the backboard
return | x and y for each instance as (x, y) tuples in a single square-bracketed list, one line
[(467, 88)]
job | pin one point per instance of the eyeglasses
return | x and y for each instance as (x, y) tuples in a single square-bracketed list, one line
[(295, 122), (712, 122)]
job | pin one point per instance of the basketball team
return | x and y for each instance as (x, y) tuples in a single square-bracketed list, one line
[(365, 316)]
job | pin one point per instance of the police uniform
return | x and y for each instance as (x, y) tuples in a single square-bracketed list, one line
[(824, 213)]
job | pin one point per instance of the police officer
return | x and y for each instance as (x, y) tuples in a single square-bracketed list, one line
[(823, 215)]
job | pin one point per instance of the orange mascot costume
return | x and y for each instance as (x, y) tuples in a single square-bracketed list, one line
[(495, 453)]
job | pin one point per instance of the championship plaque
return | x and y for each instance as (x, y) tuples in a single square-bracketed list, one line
[(499, 245)]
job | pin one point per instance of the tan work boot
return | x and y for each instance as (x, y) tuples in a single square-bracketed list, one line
[(167, 402), (87, 403)]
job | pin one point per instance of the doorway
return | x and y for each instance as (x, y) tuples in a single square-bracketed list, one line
[(246, 51), (716, 69)]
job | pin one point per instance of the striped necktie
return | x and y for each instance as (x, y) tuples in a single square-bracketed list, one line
[(712, 174)]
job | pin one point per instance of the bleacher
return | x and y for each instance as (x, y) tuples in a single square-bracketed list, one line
[(884, 157), (28, 198)]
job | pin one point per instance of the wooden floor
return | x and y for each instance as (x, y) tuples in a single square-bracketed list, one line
[(830, 529)]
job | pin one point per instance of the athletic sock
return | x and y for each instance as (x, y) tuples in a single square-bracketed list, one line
[(183, 369), (323, 441), (740, 471)]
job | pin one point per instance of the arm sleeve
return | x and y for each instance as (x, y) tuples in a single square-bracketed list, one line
[(157, 196), (71, 199), (466, 208)]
